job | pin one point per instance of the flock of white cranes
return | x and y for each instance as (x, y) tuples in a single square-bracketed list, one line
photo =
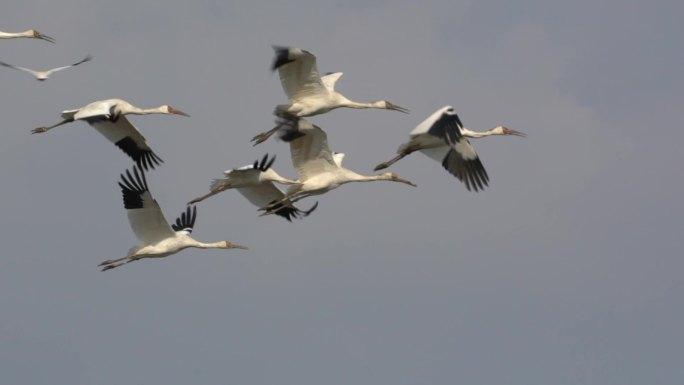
[(441, 136)]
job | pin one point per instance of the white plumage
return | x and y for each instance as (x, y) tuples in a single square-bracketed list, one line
[(157, 238), (43, 75), (108, 118), (309, 93), (320, 170), (256, 182), (31, 33), (442, 137)]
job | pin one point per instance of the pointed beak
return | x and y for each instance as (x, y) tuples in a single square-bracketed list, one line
[(177, 112), (508, 131), (408, 182), (394, 107), (44, 37), (236, 246)]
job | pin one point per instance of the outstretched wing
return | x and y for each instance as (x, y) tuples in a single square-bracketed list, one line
[(330, 79), (309, 148), (259, 191), (144, 214), (186, 221), (32, 72), (298, 72), (125, 136), (458, 157), (86, 59)]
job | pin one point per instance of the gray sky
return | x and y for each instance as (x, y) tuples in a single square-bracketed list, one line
[(563, 271)]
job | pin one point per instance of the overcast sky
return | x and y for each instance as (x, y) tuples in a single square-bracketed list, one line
[(566, 270)]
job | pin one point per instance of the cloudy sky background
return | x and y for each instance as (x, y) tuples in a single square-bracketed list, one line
[(566, 270)]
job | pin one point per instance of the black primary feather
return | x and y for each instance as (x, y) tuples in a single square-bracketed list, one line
[(186, 221), (265, 163), (144, 158), (289, 212), (282, 57), (133, 187)]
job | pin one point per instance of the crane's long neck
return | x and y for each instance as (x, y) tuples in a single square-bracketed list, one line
[(351, 176), (211, 245), (147, 111), (10, 35), (359, 105), (499, 130)]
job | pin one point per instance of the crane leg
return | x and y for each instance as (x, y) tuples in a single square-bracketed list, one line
[(288, 200), (112, 263), (40, 130), (390, 162), (264, 135), (203, 197)]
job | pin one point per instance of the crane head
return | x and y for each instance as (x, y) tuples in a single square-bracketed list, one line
[(39, 35), (231, 245), (508, 131), (394, 107), (174, 111), (396, 178)]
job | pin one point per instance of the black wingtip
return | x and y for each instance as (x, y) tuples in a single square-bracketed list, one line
[(144, 158), (265, 163), (289, 212), (132, 187), (281, 57), (471, 172), (186, 221)]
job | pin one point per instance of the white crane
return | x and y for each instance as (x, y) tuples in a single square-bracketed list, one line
[(43, 75), (157, 238), (309, 92), (443, 138), (320, 170), (256, 183), (107, 117), (31, 33)]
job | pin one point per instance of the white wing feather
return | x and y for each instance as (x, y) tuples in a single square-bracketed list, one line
[(148, 223), (300, 78), (329, 80), (310, 153), (121, 128)]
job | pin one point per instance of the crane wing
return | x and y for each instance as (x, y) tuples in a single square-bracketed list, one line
[(144, 214), (266, 193), (125, 136), (462, 161), (32, 72), (86, 59), (457, 155), (330, 79), (298, 72), (309, 148), (102, 109), (186, 221), (445, 125)]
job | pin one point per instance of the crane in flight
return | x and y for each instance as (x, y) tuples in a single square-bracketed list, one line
[(320, 169), (44, 75), (309, 92), (256, 182), (108, 118), (31, 33), (157, 238), (443, 138)]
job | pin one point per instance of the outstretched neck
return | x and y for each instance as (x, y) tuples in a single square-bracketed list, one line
[(211, 245), (217, 245), (359, 105), (499, 130), (351, 176), (148, 111)]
